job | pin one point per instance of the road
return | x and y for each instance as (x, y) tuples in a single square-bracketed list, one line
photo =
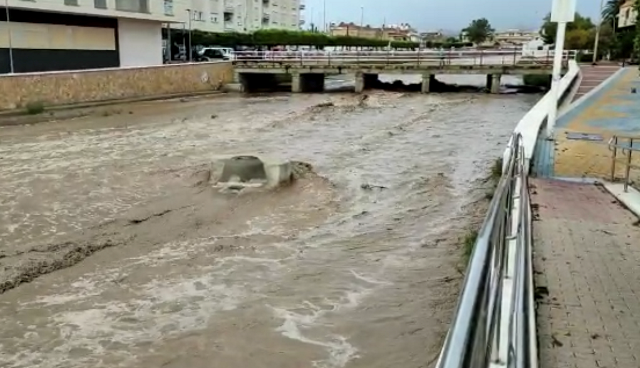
[(356, 265)]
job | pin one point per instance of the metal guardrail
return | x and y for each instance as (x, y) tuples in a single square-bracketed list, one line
[(419, 57), (494, 324), (625, 144)]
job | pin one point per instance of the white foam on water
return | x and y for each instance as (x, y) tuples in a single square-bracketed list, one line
[(159, 310), (295, 323), (339, 349), (369, 280), (81, 289)]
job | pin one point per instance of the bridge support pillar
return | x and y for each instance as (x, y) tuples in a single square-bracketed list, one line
[(307, 82), (493, 83), (427, 82), (365, 81)]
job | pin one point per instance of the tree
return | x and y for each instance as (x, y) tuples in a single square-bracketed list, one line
[(549, 28), (610, 11), (478, 31)]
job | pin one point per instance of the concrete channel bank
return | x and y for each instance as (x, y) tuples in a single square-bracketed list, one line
[(112, 84)]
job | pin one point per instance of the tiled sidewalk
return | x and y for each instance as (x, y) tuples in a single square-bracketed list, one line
[(587, 265), (611, 110)]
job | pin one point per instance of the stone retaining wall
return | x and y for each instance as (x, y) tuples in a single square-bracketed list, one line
[(74, 87)]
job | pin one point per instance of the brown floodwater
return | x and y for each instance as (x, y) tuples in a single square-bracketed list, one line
[(116, 253)]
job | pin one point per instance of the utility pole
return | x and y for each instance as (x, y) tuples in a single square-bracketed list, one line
[(6, 9), (598, 27)]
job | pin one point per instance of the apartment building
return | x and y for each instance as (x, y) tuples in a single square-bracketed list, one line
[(627, 15), (239, 15), (515, 37), (392, 32), (47, 35)]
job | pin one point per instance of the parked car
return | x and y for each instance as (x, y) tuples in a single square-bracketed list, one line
[(214, 53)]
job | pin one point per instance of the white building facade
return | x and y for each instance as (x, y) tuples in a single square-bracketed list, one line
[(627, 15), (47, 35), (238, 15)]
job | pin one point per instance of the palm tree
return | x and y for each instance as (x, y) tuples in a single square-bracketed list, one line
[(610, 11)]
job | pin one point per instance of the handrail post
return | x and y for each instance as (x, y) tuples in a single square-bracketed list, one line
[(628, 168), (614, 151)]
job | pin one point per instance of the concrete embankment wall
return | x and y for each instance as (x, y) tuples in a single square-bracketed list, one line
[(113, 84), (534, 120)]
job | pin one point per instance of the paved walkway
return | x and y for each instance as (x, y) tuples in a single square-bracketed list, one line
[(587, 265), (593, 76), (607, 111)]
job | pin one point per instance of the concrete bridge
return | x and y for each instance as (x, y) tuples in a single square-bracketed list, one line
[(309, 69)]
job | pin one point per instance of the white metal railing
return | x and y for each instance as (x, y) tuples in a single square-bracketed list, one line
[(426, 57), (494, 324), (626, 145)]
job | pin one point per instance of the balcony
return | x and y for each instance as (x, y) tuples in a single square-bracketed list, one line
[(266, 2), (133, 6), (228, 18)]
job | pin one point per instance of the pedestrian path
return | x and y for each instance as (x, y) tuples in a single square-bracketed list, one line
[(593, 76), (606, 110), (587, 276)]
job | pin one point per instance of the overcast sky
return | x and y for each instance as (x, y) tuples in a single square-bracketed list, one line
[(427, 15)]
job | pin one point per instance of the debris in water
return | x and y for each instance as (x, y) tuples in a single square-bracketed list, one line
[(372, 187)]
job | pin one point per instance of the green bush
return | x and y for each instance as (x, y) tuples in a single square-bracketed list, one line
[(270, 38), (34, 107)]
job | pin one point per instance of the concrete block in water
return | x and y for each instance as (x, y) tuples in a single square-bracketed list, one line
[(253, 171)]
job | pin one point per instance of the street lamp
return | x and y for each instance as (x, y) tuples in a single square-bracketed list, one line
[(324, 16), (361, 20), (562, 12), (6, 9)]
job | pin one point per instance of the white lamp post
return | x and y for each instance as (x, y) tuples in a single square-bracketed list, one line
[(562, 12)]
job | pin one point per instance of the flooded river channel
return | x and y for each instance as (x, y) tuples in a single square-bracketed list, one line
[(116, 252)]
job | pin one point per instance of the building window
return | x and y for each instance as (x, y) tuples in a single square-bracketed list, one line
[(196, 15), (214, 17), (100, 4), (71, 2), (134, 6), (168, 7)]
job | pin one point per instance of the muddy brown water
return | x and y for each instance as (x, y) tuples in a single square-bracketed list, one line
[(355, 265)]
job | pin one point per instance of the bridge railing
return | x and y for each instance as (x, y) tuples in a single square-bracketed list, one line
[(494, 324), (624, 145), (418, 57)]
